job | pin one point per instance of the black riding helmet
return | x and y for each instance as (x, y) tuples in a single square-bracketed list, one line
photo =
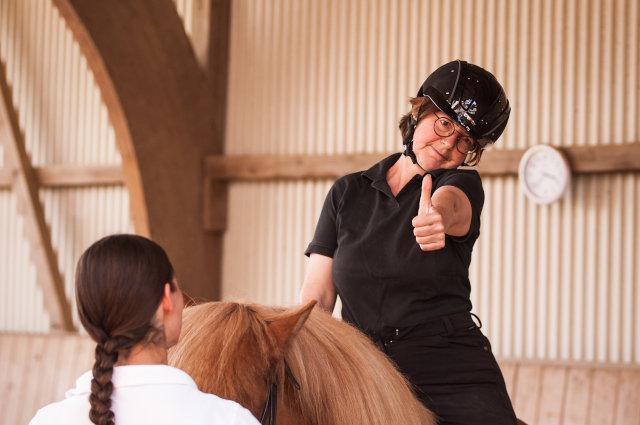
[(469, 95)]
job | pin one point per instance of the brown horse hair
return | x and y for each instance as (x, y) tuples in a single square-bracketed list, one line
[(229, 350), (119, 285), (420, 108)]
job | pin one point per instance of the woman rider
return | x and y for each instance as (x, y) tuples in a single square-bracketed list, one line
[(395, 243)]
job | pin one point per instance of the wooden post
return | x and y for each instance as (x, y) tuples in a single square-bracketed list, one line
[(210, 39), (26, 188), (160, 106)]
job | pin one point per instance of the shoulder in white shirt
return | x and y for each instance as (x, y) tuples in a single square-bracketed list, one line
[(157, 394)]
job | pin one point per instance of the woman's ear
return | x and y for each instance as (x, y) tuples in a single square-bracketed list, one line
[(167, 304)]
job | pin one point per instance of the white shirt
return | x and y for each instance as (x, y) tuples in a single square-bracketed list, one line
[(156, 394)]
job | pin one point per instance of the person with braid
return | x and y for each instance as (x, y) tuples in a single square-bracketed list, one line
[(130, 303)]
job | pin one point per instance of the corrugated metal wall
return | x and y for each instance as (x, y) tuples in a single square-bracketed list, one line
[(64, 122), (330, 76)]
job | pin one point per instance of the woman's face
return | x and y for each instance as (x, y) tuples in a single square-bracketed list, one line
[(434, 151)]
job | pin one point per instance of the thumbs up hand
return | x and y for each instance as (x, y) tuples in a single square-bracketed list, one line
[(428, 226)]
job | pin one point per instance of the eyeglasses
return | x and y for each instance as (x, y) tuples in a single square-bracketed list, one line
[(444, 127)]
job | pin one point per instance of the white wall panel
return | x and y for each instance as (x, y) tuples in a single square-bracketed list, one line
[(64, 121), (330, 77), (334, 76), (263, 254), (59, 105), (561, 281), (77, 218), (21, 305)]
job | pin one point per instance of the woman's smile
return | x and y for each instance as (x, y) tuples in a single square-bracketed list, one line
[(442, 157)]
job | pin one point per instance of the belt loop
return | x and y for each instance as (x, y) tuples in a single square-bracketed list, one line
[(448, 325), (478, 319)]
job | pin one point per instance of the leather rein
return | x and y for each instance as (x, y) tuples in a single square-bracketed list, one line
[(269, 412)]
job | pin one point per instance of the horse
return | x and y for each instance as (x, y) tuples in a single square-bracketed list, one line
[(325, 371)]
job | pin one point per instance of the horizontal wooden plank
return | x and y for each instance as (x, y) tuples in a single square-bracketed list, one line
[(574, 364), (37, 369), (576, 401), (70, 176), (6, 178), (602, 400), (509, 373), (527, 393), (287, 167), (583, 159), (604, 159), (75, 176), (628, 402), (552, 395)]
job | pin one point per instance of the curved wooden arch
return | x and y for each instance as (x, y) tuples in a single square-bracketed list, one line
[(160, 107)]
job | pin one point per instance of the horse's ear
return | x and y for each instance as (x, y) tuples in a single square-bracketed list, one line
[(287, 324)]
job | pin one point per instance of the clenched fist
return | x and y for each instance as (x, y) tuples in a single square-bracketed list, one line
[(428, 226)]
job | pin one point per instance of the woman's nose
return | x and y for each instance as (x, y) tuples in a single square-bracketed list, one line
[(450, 141)]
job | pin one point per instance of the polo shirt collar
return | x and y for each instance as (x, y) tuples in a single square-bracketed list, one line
[(135, 376), (379, 170), (378, 173)]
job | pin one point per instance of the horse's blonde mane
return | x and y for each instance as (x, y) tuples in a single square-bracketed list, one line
[(344, 379), (217, 349)]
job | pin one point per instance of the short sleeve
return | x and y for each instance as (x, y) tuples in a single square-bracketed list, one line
[(325, 238), (244, 417), (37, 419), (470, 183)]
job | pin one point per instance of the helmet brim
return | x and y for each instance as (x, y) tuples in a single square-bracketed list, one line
[(440, 103)]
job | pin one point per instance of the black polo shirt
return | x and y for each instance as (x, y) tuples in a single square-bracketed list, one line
[(380, 273)]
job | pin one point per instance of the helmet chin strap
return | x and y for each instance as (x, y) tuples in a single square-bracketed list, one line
[(408, 151), (408, 145)]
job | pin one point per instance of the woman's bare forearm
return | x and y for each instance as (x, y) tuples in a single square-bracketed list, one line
[(318, 282), (325, 296)]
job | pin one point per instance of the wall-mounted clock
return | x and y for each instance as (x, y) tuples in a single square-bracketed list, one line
[(544, 174)]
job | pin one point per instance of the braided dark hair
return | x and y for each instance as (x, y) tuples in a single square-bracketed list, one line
[(119, 285)]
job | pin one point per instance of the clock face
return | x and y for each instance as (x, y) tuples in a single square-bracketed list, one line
[(544, 174)]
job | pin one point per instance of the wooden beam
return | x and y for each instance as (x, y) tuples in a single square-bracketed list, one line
[(79, 176), (25, 185), (583, 159), (604, 159), (140, 55), (500, 162), (210, 39), (286, 167), (65, 175)]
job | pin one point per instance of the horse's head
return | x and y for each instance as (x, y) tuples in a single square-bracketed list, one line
[(236, 351)]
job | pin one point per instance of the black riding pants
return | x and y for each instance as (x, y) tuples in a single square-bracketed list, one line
[(454, 372)]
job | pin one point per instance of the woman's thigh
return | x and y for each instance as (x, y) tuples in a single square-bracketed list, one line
[(456, 376)]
